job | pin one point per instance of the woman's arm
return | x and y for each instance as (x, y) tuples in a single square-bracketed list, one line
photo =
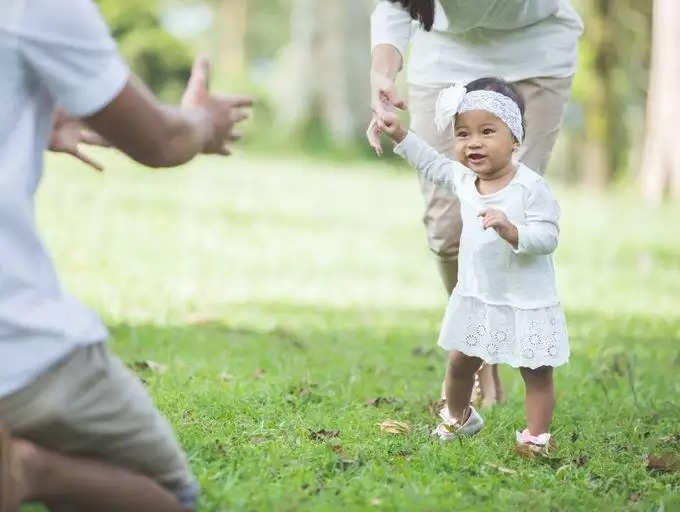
[(390, 34)]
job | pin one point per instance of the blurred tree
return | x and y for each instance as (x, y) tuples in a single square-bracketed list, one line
[(322, 81), (660, 171), (610, 86), (162, 61), (230, 34)]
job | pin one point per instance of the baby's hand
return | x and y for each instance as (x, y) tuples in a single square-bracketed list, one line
[(496, 219), (389, 124)]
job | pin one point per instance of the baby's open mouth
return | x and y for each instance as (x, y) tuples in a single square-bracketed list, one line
[(476, 157)]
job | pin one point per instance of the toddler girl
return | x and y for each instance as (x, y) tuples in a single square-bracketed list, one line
[(505, 307)]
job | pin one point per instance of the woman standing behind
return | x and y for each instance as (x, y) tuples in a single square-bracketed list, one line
[(530, 43)]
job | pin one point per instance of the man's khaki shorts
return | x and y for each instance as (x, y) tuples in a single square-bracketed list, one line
[(545, 100), (90, 404)]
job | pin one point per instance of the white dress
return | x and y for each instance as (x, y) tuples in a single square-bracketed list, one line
[(505, 307)]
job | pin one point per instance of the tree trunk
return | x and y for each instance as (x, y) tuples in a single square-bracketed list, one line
[(660, 173), (598, 158), (231, 21), (323, 72)]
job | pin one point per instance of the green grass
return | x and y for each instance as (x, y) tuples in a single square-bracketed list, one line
[(283, 295)]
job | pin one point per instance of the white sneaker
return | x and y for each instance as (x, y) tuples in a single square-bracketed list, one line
[(450, 427)]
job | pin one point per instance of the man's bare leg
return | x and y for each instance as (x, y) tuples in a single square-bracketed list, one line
[(37, 474), (490, 385)]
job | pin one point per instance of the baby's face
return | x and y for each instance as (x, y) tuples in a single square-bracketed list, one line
[(482, 142)]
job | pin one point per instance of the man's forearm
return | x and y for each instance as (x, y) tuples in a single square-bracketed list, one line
[(182, 135), (149, 132)]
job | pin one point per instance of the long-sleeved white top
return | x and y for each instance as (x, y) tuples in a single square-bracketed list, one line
[(489, 268), (511, 39)]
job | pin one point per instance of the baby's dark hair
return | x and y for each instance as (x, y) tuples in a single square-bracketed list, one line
[(499, 85)]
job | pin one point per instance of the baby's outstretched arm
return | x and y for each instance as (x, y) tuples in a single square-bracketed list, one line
[(430, 164)]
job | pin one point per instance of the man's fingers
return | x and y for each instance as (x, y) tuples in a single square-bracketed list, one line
[(87, 160), (224, 151), (238, 115), (200, 74), (236, 100), (93, 139)]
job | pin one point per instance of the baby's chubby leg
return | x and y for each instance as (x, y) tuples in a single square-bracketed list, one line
[(540, 398), (460, 377)]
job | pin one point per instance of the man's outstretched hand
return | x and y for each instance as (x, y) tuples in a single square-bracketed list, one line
[(222, 111), (67, 135)]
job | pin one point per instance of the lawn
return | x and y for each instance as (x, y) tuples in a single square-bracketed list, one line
[(282, 297)]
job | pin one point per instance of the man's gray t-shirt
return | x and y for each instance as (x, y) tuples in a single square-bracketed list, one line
[(51, 54)]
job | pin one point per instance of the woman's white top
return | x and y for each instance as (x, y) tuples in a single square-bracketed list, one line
[(511, 39), (505, 306)]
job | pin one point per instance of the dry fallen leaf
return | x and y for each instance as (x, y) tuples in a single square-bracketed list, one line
[(395, 427), (675, 438), (435, 406), (580, 461), (376, 501), (323, 434), (151, 365), (501, 469), (634, 497), (345, 463), (665, 462), (259, 372), (380, 400)]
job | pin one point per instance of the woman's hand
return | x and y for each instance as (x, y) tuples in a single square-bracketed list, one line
[(496, 219), (389, 124), (385, 64)]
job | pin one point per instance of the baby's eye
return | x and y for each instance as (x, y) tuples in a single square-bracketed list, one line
[(488, 131), (461, 133)]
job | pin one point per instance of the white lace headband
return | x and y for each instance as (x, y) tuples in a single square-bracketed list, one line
[(456, 100)]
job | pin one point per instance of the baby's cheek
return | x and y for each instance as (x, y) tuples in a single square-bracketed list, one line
[(459, 152)]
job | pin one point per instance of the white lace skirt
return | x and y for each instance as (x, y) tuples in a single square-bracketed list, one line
[(504, 334)]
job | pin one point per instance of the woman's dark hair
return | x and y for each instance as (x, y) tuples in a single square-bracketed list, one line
[(420, 10), (500, 86)]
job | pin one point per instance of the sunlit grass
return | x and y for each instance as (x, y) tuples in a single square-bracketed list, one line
[(285, 294)]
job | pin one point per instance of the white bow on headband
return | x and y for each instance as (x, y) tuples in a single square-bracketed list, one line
[(456, 100)]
